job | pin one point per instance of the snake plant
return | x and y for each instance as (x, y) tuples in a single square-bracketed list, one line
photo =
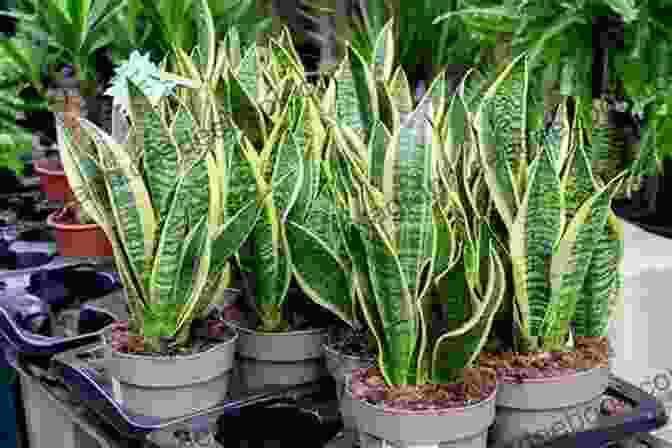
[(562, 242), (175, 210), (282, 137), (381, 153)]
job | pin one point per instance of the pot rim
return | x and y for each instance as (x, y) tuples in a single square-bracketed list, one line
[(70, 227), (38, 166), (329, 348), (215, 347), (442, 411), (554, 379), (266, 333)]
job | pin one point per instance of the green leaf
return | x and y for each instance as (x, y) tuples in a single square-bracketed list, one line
[(319, 271), (460, 347), (572, 259), (602, 278), (535, 231)]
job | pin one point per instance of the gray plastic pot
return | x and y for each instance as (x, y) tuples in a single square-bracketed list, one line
[(170, 387), (278, 359), (465, 427), (540, 409), (340, 366)]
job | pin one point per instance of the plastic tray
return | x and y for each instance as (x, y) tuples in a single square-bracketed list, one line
[(92, 386), (648, 414), (43, 294)]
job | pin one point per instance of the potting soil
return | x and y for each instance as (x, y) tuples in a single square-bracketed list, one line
[(123, 342), (588, 353), (368, 384)]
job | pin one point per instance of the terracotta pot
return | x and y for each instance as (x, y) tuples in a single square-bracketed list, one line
[(80, 240), (53, 180)]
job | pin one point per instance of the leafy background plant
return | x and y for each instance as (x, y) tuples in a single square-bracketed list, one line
[(644, 69), (16, 141), (159, 26), (71, 30)]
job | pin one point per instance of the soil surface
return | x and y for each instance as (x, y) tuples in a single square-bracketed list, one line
[(369, 385), (124, 342), (590, 352)]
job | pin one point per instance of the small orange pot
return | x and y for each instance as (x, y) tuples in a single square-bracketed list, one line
[(80, 240), (53, 180)]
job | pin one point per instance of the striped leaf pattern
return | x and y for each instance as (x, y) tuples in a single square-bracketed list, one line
[(500, 122), (460, 347), (411, 178), (272, 269), (130, 201), (244, 111), (602, 280), (174, 232), (319, 270), (572, 260), (384, 53), (395, 307), (288, 176), (533, 236), (205, 30), (159, 154), (248, 72), (356, 99)]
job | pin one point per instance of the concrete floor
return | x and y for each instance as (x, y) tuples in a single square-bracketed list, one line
[(641, 336)]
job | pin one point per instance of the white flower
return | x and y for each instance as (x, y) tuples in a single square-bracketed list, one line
[(143, 73)]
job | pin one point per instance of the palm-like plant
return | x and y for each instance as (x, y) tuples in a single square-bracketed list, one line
[(167, 24), (72, 30)]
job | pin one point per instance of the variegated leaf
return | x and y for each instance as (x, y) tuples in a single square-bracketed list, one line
[(593, 308), (459, 348), (319, 271), (500, 123), (384, 53), (571, 260), (131, 204), (533, 236)]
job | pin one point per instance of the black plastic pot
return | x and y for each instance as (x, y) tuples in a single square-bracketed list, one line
[(648, 209), (281, 423), (9, 183)]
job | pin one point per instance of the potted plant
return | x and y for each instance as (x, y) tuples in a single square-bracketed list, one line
[(562, 249), (64, 39), (282, 135), (425, 387), (570, 45), (77, 235), (174, 213)]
